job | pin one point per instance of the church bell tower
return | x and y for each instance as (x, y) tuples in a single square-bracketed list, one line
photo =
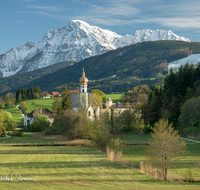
[(83, 83), (83, 90)]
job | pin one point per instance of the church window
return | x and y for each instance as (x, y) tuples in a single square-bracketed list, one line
[(89, 114)]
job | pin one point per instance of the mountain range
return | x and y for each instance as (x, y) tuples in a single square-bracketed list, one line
[(121, 68), (74, 42)]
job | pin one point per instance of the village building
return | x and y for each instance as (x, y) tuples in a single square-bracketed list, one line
[(45, 96), (30, 117), (55, 94), (80, 99), (117, 108)]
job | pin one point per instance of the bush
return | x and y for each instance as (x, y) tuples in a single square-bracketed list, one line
[(72, 124), (40, 123), (9, 133), (101, 136), (17, 133), (23, 107), (116, 144)]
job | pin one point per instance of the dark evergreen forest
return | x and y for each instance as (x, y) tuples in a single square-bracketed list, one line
[(177, 100)]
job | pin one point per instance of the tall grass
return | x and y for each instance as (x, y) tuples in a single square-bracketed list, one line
[(80, 168)]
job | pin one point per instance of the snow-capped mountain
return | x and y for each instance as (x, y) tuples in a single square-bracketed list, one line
[(192, 59), (74, 42)]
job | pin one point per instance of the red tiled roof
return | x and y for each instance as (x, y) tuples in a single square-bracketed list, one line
[(74, 91), (54, 93)]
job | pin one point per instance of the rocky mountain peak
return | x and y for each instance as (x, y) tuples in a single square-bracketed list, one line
[(73, 42)]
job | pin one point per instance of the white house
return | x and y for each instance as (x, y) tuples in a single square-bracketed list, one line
[(30, 117)]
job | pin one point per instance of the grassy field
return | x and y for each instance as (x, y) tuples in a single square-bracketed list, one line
[(15, 114), (83, 167), (115, 97), (136, 138), (31, 105), (39, 103), (180, 168)]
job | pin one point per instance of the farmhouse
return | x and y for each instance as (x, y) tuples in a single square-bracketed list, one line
[(55, 94), (45, 96), (30, 117)]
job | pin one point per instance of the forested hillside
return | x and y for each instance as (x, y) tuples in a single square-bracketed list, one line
[(131, 65), (178, 100), (8, 83)]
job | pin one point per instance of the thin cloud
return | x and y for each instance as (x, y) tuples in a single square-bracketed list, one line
[(46, 8), (58, 17), (182, 14), (122, 7), (178, 22), (25, 1), (114, 9), (112, 13), (110, 21)]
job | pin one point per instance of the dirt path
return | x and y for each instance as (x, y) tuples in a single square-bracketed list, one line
[(20, 110), (190, 140)]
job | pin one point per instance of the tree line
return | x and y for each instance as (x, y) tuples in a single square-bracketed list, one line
[(176, 100), (28, 94)]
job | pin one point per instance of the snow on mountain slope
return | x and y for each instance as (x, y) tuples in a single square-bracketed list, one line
[(192, 59), (74, 42)]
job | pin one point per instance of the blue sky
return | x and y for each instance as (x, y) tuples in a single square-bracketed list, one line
[(23, 21)]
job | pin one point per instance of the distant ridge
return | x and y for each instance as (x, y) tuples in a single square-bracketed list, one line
[(142, 60)]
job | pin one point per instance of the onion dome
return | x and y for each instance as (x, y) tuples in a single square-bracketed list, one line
[(83, 80)]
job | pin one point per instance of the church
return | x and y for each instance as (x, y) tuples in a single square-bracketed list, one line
[(79, 99), (84, 99)]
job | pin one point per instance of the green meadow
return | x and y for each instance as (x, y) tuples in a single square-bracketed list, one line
[(15, 114), (39, 103), (70, 167), (115, 97), (31, 105)]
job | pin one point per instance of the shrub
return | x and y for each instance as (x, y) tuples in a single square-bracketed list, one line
[(116, 144), (23, 107), (101, 136), (72, 124), (17, 133), (40, 123), (9, 133)]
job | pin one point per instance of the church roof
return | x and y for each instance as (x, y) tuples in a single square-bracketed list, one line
[(74, 91), (109, 99), (104, 106), (83, 79), (40, 111)]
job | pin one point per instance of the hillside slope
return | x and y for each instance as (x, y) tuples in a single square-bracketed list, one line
[(143, 60)]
